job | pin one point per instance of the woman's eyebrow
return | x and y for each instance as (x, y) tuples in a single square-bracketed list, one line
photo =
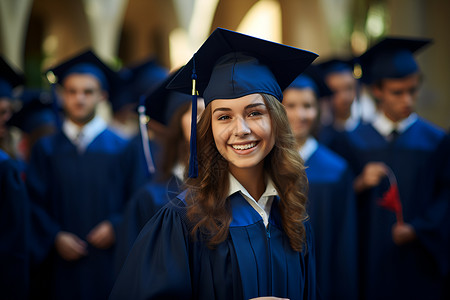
[(254, 105), (222, 109), (247, 107)]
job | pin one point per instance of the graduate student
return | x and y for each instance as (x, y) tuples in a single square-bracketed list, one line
[(10, 79), (138, 79), (36, 119), (400, 229), (331, 200), (240, 229), (173, 110), (14, 231), (75, 181)]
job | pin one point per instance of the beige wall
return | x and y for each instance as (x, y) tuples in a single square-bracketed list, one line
[(148, 23)]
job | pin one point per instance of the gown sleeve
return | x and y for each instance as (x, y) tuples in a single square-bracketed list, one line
[(158, 264), (14, 228), (44, 227), (433, 228)]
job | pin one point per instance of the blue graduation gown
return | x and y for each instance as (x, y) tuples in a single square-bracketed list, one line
[(332, 209), (14, 231), (75, 192), (135, 164), (139, 210), (167, 263), (410, 271), (338, 142)]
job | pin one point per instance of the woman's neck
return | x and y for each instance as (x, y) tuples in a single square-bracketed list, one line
[(252, 179)]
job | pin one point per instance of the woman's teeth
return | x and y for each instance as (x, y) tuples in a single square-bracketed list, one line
[(244, 147)]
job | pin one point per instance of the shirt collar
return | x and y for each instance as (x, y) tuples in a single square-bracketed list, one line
[(89, 131), (308, 148), (264, 204), (385, 126)]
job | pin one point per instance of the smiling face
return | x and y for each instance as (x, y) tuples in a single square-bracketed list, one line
[(242, 131), (302, 111), (82, 93)]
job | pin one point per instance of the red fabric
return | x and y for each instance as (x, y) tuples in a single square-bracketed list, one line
[(391, 201)]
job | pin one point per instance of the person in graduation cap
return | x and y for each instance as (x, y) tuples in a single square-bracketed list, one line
[(14, 231), (75, 181), (331, 199), (10, 79), (138, 80), (35, 119), (401, 234), (240, 229), (173, 110)]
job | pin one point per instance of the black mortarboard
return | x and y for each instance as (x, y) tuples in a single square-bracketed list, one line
[(9, 79), (36, 111), (312, 78), (137, 80), (230, 65), (391, 58), (161, 103), (336, 65), (85, 63)]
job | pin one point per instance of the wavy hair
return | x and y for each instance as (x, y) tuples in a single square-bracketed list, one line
[(208, 206)]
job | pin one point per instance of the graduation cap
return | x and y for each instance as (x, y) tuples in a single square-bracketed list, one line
[(336, 65), (137, 80), (161, 103), (85, 63), (9, 79), (230, 65), (35, 112), (391, 58), (312, 78)]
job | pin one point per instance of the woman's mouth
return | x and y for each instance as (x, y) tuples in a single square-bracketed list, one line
[(244, 146)]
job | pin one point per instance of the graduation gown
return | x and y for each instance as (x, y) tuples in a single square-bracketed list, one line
[(332, 210), (139, 210), (409, 271), (14, 231), (135, 165), (74, 192), (167, 263)]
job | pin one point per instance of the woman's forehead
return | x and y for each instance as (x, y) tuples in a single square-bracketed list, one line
[(237, 103)]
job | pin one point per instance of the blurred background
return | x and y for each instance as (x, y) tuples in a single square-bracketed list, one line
[(36, 34)]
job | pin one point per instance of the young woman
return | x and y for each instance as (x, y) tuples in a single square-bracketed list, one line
[(240, 229), (331, 200)]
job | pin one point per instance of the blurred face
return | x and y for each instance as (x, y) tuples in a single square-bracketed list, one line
[(301, 110), (186, 118), (242, 131), (397, 97), (5, 115), (343, 86), (81, 95)]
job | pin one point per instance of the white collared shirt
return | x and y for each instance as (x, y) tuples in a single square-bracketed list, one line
[(308, 148), (88, 132), (263, 205), (384, 126)]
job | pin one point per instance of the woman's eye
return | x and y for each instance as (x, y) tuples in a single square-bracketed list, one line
[(223, 118), (255, 113)]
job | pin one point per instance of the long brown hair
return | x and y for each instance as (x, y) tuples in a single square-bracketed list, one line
[(175, 148), (208, 206)]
